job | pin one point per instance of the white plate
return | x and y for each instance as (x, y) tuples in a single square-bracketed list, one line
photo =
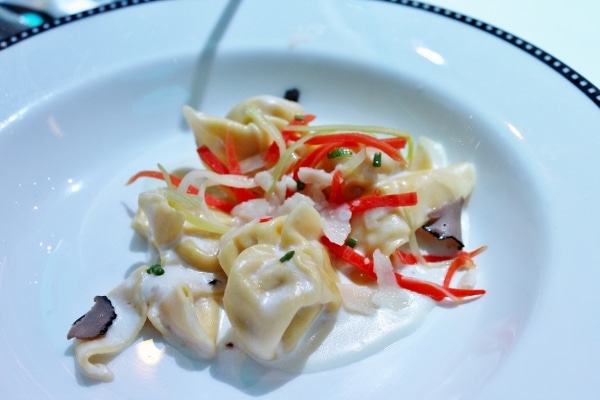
[(86, 105)]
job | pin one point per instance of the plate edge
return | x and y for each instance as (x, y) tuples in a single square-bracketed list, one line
[(576, 79)]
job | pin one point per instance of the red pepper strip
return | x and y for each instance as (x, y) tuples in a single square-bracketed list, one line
[(291, 135), (232, 160), (241, 194), (463, 260), (305, 120), (411, 259), (376, 200), (289, 193), (312, 159), (175, 180), (351, 256), (436, 292), (272, 154), (466, 292), (406, 258), (265, 219), (354, 137), (365, 264), (336, 195), (397, 142), (217, 203), (146, 174), (211, 160)]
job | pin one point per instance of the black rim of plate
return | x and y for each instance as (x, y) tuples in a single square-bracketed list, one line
[(582, 84)]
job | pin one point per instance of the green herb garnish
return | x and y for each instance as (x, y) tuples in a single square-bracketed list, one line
[(155, 269), (287, 256), (351, 242), (377, 159), (339, 152)]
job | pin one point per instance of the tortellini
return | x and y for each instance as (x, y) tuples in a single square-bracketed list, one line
[(271, 302), (182, 304), (175, 239), (434, 187), (212, 131), (131, 315), (159, 222), (381, 228)]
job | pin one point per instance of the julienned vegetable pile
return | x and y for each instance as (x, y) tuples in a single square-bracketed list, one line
[(291, 225)]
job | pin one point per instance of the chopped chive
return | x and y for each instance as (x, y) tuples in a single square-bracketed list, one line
[(298, 117), (155, 269), (339, 152), (300, 185), (351, 242), (377, 159), (287, 256)]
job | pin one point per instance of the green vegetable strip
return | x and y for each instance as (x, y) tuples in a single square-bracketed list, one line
[(167, 177), (285, 161), (261, 121), (410, 145), (179, 201), (366, 129), (200, 222)]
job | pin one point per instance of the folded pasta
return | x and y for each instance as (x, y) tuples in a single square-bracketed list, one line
[(271, 299)]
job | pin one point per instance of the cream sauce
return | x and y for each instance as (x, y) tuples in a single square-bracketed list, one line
[(364, 326)]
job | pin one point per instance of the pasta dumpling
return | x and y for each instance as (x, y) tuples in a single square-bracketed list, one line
[(385, 229), (271, 301), (130, 308), (434, 188), (183, 305), (212, 131)]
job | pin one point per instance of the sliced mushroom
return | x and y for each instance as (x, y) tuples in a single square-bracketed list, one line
[(445, 223), (95, 322)]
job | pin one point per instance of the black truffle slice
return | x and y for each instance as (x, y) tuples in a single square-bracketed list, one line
[(95, 322), (444, 223), (292, 95)]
